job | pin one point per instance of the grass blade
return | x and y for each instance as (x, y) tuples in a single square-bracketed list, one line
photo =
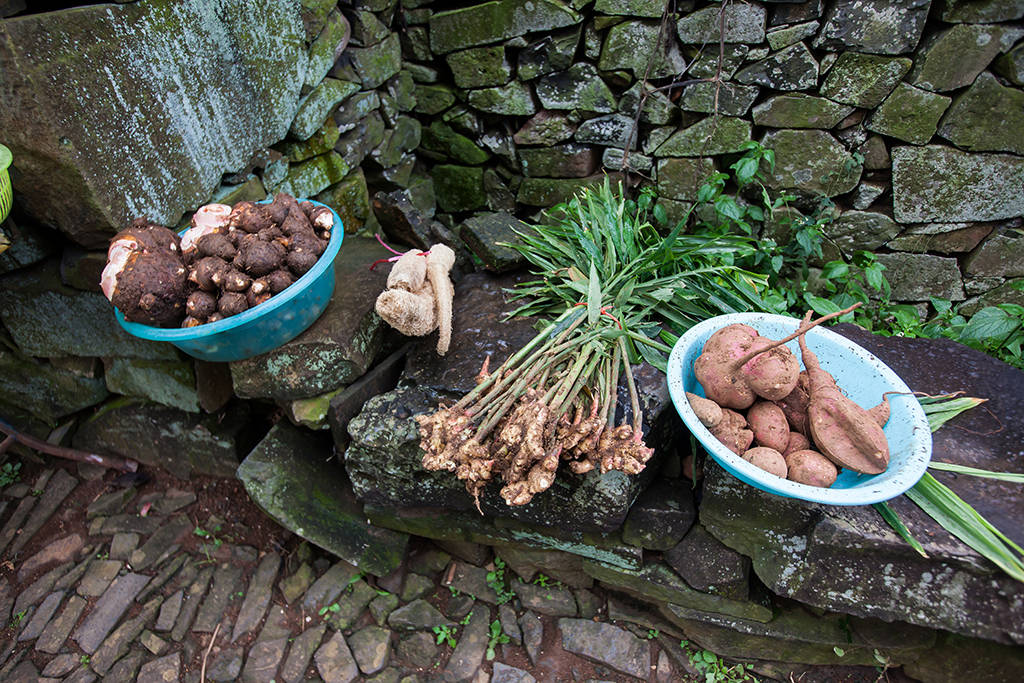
[(942, 409), (593, 296), (975, 472), (890, 516)]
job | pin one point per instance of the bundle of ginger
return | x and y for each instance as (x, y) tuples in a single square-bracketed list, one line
[(419, 294)]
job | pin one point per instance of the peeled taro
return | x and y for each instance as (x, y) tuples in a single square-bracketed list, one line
[(145, 276)]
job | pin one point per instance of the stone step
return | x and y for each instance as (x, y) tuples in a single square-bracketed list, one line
[(108, 610)]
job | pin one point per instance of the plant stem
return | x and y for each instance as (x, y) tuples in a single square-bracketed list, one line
[(613, 386), (634, 399), (800, 330)]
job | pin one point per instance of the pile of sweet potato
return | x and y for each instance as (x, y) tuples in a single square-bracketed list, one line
[(797, 424), (230, 260)]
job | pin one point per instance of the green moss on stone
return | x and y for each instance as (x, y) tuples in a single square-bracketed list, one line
[(312, 176), (707, 137), (514, 99), (811, 161), (909, 114), (433, 99), (440, 139), (988, 117), (480, 67), (459, 188), (493, 22), (627, 47), (171, 383), (580, 87), (797, 110), (314, 107), (377, 63), (681, 178), (863, 80)]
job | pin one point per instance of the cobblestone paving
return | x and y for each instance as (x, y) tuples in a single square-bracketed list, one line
[(102, 582)]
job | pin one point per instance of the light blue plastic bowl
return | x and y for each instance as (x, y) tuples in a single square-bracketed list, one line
[(280, 318), (859, 374)]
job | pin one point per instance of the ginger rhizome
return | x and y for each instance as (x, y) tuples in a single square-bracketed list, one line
[(419, 294)]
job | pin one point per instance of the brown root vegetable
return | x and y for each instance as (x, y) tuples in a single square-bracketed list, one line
[(439, 262), (300, 262), (769, 425), (232, 280), (215, 316), (794, 405), (296, 222), (842, 430), (152, 236), (811, 468), (307, 241), (257, 257), (732, 431), (216, 244), (145, 276), (231, 303), (279, 280), (250, 217), (735, 368), (707, 411), (279, 208), (319, 216), (768, 459), (796, 442), (208, 272), (880, 413), (200, 304), (254, 299), (189, 321), (411, 313), (409, 272)]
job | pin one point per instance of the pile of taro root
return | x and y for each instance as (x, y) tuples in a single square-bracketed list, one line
[(230, 260), (803, 426)]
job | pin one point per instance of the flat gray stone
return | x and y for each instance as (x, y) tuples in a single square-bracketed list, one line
[(156, 546), (710, 566), (792, 68), (733, 99), (988, 117), (797, 110), (313, 499), (329, 586), (607, 645), (416, 586), (152, 642), (61, 665), (334, 661), (468, 656), (494, 22), (382, 606), (418, 615), (257, 596), (39, 588), (263, 659), (953, 58), (472, 580), (161, 670), (371, 648), (126, 524), (226, 582), (166, 573), (811, 161), (117, 644), (661, 516), (51, 640), (509, 623), (553, 601), (619, 51), (169, 611), (350, 605), (108, 610), (294, 585), (876, 26), (123, 545), (580, 87), (503, 673), (191, 602), (941, 184), (418, 650), (863, 80), (916, 277), (533, 635), (41, 617), (226, 664), (910, 114), (58, 551), (742, 23), (72, 578), (60, 485), (126, 668), (301, 652)]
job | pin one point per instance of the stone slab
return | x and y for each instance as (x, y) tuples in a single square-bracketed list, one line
[(301, 653), (51, 640), (334, 661), (117, 644), (287, 476), (468, 656), (257, 596), (156, 545), (226, 581), (493, 22), (606, 644), (108, 610), (59, 487), (166, 668)]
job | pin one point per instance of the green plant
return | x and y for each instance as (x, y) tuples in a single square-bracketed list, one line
[(713, 668), (541, 580), (332, 608), (17, 617), (496, 580), (446, 634), (497, 636), (10, 473), (465, 619), (652, 633), (359, 576), (455, 592), (84, 659)]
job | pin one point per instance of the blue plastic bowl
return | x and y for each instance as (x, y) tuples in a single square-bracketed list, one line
[(280, 318), (859, 374)]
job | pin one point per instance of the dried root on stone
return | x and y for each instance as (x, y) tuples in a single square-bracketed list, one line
[(419, 294)]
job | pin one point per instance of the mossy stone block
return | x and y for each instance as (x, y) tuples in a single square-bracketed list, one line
[(946, 185), (631, 8), (459, 188), (613, 130), (312, 176), (786, 36), (627, 47), (793, 68), (350, 199), (321, 142), (315, 107), (171, 383), (707, 137), (864, 80), (552, 53), (658, 108), (910, 114), (560, 161), (377, 63), (733, 99), (954, 58), (988, 117), (547, 192), (493, 22), (433, 98), (681, 178), (480, 67), (797, 110), (742, 23), (489, 236), (514, 99), (324, 50), (580, 87), (981, 11), (1011, 65), (441, 139), (46, 392), (811, 161), (875, 26), (545, 128)]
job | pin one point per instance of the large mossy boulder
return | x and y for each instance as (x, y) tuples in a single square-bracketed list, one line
[(848, 559), (110, 118)]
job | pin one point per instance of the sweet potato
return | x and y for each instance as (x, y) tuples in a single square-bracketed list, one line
[(811, 468), (794, 405), (880, 413), (708, 412), (842, 430), (768, 459), (796, 442), (769, 425), (732, 431)]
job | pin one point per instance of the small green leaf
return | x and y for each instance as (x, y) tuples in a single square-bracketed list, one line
[(840, 652)]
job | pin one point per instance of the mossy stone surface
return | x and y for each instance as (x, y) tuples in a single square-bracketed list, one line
[(336, 349), (552, 53), (733, 99), (354, 145), (48, 393), (235, 92), (433, 98), (350, 199), (988, 117), (861, 230), (514, 99), (793, 68), (630, 8), (459, 188), (178, 441), (743, 24), (658, 108), (495, 21), (681, 178), (324, 50), (545, 128), (441, 139), (1011, 65), (547, 192), (488, 236), (909, 114), (981, 11), (613, 130), (945, 185), (171, 383), (560, 161), (377, 63), (863, 80), (1001, 255), (874, 26), (291, 478), (312, 176), (627, 47), (320, 142), (797, 110), (580, 87), (707, 137), (811, 161), (480, 67), (941, 238), (953, 58), (786, 36), (706, 64)]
